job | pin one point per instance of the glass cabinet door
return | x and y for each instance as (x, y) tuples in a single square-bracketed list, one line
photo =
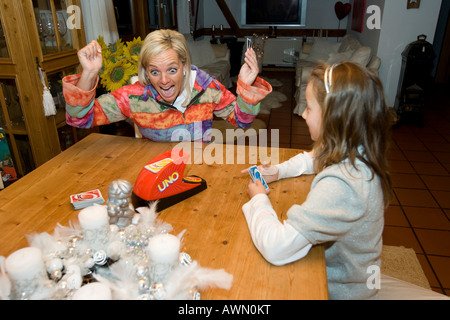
[(51, 20), (13, 123), (35, 36), (3, 46)]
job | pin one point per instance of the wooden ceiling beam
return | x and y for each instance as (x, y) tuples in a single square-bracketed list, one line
[(229, 16)]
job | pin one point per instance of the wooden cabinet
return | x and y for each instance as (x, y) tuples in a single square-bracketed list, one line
[(37, 34)]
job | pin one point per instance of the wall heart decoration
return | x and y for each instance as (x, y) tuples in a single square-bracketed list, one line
[(342, 10)]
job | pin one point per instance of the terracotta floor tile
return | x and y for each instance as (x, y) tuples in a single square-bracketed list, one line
[(428, 270), (435, 242), (283, 131), (443, 157), (411, 143), (441, 266), (423, 156), (415, 198), (395, 154), (437, 182), (407, 180), (400, 236), (446, 166), (284, 117), (429, 168), (435, 146), (280, 136), (430, 218), (301, 139), (279, 123), (394, 216), (430, 137), (447, 213), (400, 166), (442, 197), (394, 200), (296, 130)]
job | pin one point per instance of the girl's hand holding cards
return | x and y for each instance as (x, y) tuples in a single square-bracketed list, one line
[(259, 185), (270, 173), (255, 188)]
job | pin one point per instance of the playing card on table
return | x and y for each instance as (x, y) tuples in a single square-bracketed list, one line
[(256, 175), (86, 199)]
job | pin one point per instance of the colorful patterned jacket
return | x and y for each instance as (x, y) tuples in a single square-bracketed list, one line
[(157, 120)]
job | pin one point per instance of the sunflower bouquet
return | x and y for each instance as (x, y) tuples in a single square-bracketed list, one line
[(119, 62)]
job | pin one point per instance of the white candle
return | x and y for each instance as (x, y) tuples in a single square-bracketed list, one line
[(94, 221), (24, 264), (163, 252), (93, 291), (26, 270), (164, 248), (93, 217)]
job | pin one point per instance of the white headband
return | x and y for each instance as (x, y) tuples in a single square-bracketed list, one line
[(328, 77)]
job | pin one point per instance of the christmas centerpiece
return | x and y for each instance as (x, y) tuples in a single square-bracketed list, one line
[(111, 252)]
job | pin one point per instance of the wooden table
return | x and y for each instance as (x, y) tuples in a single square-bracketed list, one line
[(216, 235)]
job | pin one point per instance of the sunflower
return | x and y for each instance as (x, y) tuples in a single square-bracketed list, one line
[(101, 42), (133, 48), (117, 48), (117, 74), (119, 62)]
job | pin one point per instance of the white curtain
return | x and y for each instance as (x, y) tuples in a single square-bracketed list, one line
[(99, 19), (183, 16)]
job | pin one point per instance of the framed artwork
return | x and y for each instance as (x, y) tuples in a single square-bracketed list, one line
[(359, 10), (413, 4)]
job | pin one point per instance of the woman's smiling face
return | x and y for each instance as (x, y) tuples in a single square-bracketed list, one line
[(165, 72)]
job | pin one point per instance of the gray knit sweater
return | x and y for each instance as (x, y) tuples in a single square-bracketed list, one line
[(344, 211)]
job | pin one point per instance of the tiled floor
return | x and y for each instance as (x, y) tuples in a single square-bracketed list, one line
[(419, 216)]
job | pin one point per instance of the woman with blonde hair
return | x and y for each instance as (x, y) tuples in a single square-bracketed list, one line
[(350, 123), (171, 94)]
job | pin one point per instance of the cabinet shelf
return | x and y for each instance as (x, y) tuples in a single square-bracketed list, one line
[(17, 129)]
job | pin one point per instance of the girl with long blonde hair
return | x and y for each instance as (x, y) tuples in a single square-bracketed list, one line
[(349, 123)]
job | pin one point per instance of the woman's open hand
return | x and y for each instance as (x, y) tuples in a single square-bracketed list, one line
[(249, 70)]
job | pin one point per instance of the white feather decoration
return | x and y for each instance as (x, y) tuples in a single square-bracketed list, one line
[(63, 233), (121, 280), (183, 278), (148, 218), (5, 283), (45, 242), (148, 215)]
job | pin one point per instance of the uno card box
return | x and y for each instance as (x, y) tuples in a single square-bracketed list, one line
[(86, 199), (162, 180)]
